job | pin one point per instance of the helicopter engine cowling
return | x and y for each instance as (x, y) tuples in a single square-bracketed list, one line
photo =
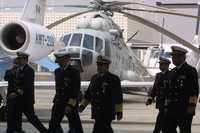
[(100, 24)]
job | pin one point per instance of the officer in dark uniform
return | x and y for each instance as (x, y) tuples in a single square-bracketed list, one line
[(105, 95), (158, 91), (26, 83), (67, 80), (183, 94), (14, 92)]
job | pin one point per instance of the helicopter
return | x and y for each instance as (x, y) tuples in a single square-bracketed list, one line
[(100, 35)]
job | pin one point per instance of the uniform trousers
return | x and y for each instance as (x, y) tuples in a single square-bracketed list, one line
[(102, 126), (28, 110), (159, 121), (14, 115), (181, 120), (58, 112)]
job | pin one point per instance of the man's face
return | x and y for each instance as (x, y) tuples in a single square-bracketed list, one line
[(16, 62), (22, 61), (164, 66), (63, 61), (102, 67), (178, 59)]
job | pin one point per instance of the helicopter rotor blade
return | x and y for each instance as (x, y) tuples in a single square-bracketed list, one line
[(77, 6), (142, 4), (108, 5), (151, 6), (161, 30), (163, 12), (50, 26)]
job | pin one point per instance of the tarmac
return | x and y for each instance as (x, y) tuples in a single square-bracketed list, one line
[(137, 117)]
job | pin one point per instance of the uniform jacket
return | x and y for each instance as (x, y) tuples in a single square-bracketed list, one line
[(67, 84), (104, 92), (11, 78), (26, 76), (184, 85), (161, 85)]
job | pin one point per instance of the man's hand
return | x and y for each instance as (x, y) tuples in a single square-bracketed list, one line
[(149, 101), (119, 115), (68, 109), (191, 109)]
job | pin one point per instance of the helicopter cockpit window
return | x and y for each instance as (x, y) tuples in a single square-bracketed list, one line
[(76, 40), (66, 39), (99, 45), (107, 48), (88, 41)]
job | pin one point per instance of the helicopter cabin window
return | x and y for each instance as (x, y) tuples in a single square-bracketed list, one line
[(86, 57), (66, 38), (107, 48), (99, 45), (76, 39), (88, 41)]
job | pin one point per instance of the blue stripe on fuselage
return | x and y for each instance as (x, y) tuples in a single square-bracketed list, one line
[(5, 63)]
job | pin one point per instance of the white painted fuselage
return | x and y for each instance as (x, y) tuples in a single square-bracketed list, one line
[(100, 35)]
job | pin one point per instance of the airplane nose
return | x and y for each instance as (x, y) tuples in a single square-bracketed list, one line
[(77, 64)]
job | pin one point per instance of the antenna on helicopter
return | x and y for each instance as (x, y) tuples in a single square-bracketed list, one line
[(132, 36), (161, 38)]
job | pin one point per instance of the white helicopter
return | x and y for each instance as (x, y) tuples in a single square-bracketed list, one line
[(100, 35)]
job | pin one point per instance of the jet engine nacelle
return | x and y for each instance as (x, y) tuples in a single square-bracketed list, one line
[(27, 37)]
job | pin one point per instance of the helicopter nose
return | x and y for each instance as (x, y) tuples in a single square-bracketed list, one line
[(77, 64)]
